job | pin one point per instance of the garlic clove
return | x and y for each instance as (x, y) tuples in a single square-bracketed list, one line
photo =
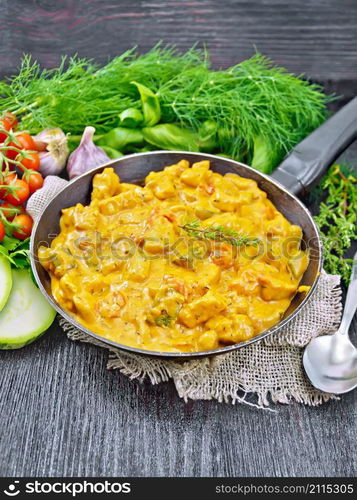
[(87, 156), (54, 155)]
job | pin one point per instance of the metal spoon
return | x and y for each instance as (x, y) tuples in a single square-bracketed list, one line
[(330, 361)]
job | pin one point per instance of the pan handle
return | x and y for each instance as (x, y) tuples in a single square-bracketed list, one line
[(309, 159)]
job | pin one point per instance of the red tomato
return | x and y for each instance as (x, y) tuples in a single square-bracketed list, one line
[(25, 141), (10, 211), (8, 121), (10, 177), (12, 153), (6, 179), (34, 180), (2, 231), (19, 196), (32, 161), (24, 223)]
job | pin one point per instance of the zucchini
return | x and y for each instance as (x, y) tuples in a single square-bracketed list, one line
[(26, 315), (5, 281)]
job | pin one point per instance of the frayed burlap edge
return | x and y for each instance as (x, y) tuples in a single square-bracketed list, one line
[(269, 371)]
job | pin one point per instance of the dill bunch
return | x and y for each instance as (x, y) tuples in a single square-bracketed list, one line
[(255, 111), (80, 93), (337, 219), (253, 103)]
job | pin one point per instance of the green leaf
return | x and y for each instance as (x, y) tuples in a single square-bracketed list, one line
[(16, 251), (111, 152), (4, 251), (150, 105), (20, 259), (170, 136), (131, 118), (207, 136), (10, 243), (120, 137), (264, 155)]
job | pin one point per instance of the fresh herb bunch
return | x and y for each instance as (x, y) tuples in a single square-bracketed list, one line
[(261, 110), (219, 233), (80, 93), (253, 112), (337, 218)]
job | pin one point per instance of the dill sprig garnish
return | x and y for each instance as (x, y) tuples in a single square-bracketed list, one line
[(337, 219), (218, 233)]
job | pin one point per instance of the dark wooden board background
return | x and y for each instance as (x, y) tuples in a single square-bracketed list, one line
[(62, 413)]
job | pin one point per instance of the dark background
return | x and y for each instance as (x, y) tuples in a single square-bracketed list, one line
[(62, 412)]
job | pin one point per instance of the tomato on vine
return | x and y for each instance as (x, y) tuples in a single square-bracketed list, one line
[(34, 180), (8, 121), (25, 141), (31, 161), (10, 211), (19, 195), (10, 177), (5, 180), (24, 225), (2, 231), (11, 153)]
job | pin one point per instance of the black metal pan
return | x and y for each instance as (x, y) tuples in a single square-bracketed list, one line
[(296, 174)]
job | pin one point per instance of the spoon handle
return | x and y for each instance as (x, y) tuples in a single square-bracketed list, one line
[(351, 300)]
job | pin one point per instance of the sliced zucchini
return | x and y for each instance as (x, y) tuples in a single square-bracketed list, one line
[(26, 315), (5, 281)]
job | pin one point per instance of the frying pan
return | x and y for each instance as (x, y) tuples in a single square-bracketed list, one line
[(298, 172)]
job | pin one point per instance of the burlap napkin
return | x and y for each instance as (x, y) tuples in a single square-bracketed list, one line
[(267, 371)]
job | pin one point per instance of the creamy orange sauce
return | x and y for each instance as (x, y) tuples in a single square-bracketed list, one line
[(129, 268)]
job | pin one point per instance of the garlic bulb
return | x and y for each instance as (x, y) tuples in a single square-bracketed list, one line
[(87, 156), (52, 143)]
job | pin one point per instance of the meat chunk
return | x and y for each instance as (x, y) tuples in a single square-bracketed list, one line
[(203, 308)]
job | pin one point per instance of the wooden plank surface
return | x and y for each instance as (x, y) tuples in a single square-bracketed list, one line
[(61, 412), (317, 37)]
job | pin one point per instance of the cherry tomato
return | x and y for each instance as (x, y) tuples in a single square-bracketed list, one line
[(12, 153), (34, 180), (5, 180), (2, 231), (25, 141), (24, 229), (10, 177), (8, 121), (10, 211), (32, 161), (19, 196)]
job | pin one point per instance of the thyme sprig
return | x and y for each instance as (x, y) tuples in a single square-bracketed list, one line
[(337, 219), (219, 233)]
